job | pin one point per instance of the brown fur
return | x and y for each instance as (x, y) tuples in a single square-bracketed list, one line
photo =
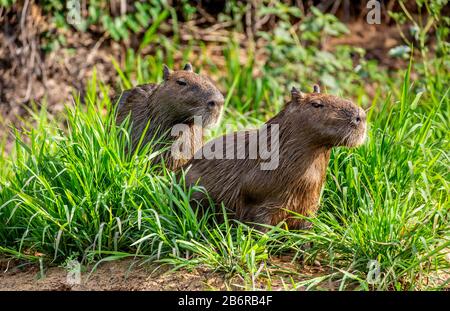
[(309, 126), (177, 100)]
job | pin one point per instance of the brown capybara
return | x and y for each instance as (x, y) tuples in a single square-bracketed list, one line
[(180, 99), (256, 191)]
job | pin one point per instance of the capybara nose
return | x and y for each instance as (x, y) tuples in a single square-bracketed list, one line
[(211, 104), (356, 120)]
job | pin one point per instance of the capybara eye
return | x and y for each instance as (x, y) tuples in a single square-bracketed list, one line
[(317, 104), (181, 82)]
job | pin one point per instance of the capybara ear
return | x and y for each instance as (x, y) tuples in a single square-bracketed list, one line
[(296, 94), (166, 72), (316, 88), (188, 67)]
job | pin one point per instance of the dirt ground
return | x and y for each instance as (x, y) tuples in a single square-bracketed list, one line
[(29, 75), (130, 275), (117, 275)]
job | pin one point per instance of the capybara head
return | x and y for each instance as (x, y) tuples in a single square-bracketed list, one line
[(330, 120), (188, 95)]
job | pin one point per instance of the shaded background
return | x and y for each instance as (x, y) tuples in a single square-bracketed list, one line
[(45, 56)]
